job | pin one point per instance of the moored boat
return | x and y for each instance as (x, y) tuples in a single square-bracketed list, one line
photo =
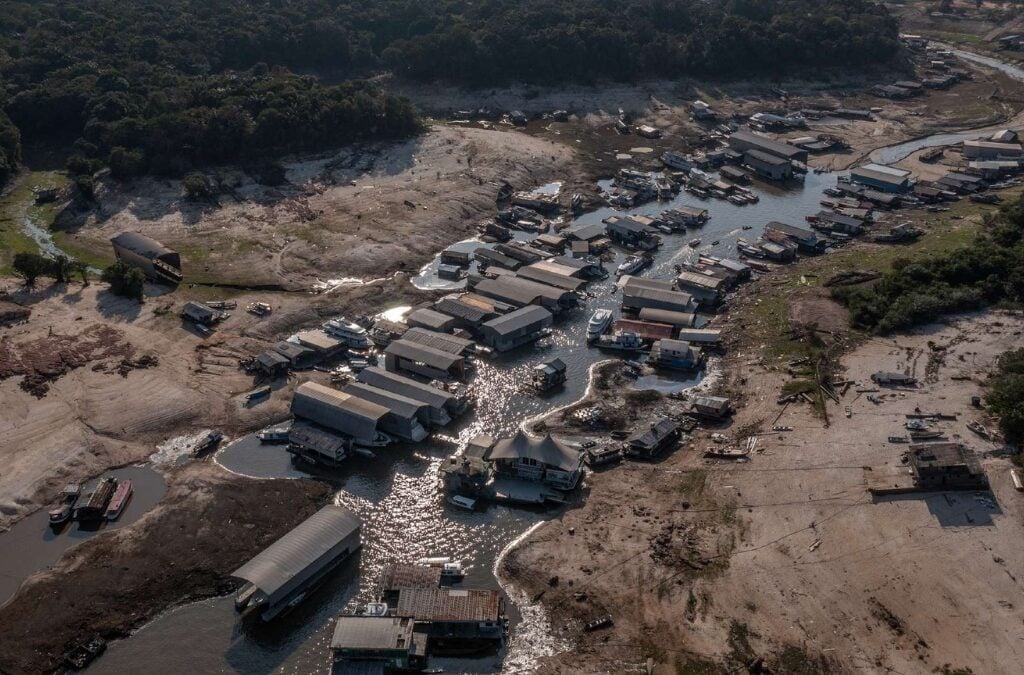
[(629, 342), (122, 495), (598, 323), (62, 512), (694, 243), (633, 264)]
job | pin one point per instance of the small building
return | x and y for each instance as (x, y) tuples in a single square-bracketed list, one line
[(406, 356), (544, 275), (455, 620), (158, 262), (520, 292), (647, 131), (675, 354), (652, 439), (806, 240), (443, 406), (271, 363), (323, 344), (430, 319), (451, 256), (354, 417), (1004, 136), (279, 577), (778, 251), (197, 312), (712, 407), (884, 178), (516, 329), (385, 640), (835, 222), (524, 254), (742, 141), (767, 165), (316, 445), (552, 242), (990, 150), (893, 379), (406, 418), (548, 375), (629, 232), (487, 257), (701, 111), (736, 174), (946, 466), (299, 357), (399, 576)]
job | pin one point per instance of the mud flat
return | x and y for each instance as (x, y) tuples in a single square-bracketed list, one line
[(209, 522)]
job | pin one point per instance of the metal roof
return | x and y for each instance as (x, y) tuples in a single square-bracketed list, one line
[(545, 276), (322, 404), (404, 386), (519, 319), (293, 553), (443, 341), (654, 433), (402, 406), (545, 450), (372, 633), (518, 291), (461, 310), (767, 158), (429, 318), (702, 335), (403, 575), (413, 351), (767, 144), (449, 604), (141, 244), (667, 316), (587, 232)]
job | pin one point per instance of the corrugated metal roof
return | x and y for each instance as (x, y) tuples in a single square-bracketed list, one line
[(417, 391), (544, 276), (402, 575), (667, 316), (443, 341), (413, 351), (290, 555), (372, 633), (429, 318), (519, 319), (461, 310), (402, 406), (141, 244), (448, 604)]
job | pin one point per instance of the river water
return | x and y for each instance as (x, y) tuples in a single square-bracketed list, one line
[(398, 496), (896, 153)]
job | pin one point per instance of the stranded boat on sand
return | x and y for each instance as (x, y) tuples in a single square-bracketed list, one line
[(122, 495)]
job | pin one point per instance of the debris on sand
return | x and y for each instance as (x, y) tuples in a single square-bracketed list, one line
[(45, 360)]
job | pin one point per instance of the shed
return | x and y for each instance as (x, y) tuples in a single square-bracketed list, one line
[(443, 406), (406, 417), (652, 439)]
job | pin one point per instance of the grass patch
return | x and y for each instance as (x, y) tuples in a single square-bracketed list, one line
[(18, 204), (692, 483), (801, 386)]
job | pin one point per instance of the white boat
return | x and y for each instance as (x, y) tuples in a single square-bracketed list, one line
[(461, 502), (452, 571), (599, 322), (633, 264), (629, 342), (352, 334)]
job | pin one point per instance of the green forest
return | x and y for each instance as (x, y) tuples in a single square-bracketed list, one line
[(166, 86), (988, 272)]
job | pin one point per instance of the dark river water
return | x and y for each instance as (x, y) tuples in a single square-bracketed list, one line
[(400, 501), (32, 545)]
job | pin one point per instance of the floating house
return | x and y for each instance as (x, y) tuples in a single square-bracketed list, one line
[(158, 262), (406, 418), (430, 319), (282, 575), (406, 356), (522, 292), (675, 354), (805, 240), (712, 407), (453, 344), (651, 440), (879, 177), (544, 460), (548, 375), (628, 232), (382, 644), (455, 620), (466, 315), (443, 406), (515, 329), (767, 165), (349, 415), (743, 141)]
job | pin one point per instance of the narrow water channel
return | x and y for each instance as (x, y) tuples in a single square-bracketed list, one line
[(32, 546)]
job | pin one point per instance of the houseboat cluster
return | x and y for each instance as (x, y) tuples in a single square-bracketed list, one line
[(106, 501)]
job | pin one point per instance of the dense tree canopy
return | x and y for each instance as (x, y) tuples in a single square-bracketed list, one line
[(987, 272), (166, 85)]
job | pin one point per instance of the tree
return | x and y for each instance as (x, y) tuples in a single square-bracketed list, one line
[(61, 269), (30, 266), (196, 186), (126, 281)]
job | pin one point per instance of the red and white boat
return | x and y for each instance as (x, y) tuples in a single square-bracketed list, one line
[(120, 499)]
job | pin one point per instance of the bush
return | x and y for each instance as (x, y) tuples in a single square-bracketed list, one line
[(126, 281), (30, 266), (1006, 395)]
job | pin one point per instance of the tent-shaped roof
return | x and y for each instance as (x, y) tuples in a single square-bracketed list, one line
[(545, 450)]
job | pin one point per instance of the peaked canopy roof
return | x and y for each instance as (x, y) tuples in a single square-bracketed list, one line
[(545, 450)]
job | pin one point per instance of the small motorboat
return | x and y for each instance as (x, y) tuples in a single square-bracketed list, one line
[(61, 513), (694, 243), (461, 502), (273, 436), (716, 242), (452, 571)]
